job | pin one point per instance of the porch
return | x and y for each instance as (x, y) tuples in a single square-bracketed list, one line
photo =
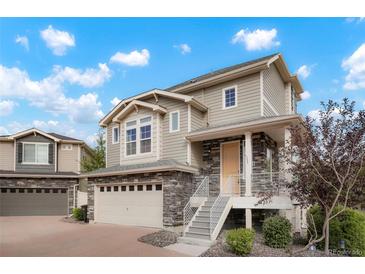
[(240, 164)]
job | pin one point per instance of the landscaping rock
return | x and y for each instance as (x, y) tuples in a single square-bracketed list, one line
[(221, 249), (161, 238), (72, 220)]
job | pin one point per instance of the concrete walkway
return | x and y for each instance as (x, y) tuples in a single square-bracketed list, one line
[(50, 236), (187, 249)]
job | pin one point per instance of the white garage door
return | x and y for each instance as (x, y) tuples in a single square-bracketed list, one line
[(139, 205)]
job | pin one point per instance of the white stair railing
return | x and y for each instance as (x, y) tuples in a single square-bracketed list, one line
[(198, 198)]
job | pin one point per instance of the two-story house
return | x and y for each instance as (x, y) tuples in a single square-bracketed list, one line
[(189, 155), (38, 172)]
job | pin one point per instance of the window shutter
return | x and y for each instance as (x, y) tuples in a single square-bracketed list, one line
[(20, 152), (50, 153)]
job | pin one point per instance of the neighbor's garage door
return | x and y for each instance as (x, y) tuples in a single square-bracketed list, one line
[(33, 201), (139, 205)]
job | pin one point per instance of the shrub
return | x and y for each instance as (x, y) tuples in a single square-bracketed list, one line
[(78, 214), (277, 232), (348, 226), (240, 240)]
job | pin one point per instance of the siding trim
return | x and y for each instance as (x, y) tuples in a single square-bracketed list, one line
[(106, 147), (158, 134), (189, 118), (15, 144), (79, 158), (55, 156), (262, 93), (188, 152), (271, 106)]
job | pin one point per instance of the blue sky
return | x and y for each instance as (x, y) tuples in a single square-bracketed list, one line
[(61, 74)]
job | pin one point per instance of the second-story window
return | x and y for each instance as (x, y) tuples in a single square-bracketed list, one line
[(115, 135), (229, 97), (139, 136), (35, 153), (174, 121)]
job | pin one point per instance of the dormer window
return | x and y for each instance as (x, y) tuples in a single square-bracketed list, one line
[(115, 135), (230, 97)]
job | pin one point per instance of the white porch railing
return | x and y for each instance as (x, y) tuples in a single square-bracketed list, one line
[(198, 198)]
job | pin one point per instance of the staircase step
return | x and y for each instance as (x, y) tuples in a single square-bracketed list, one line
[(195, 229), (195, 241), (201, 223), (201, 218), (197, 235)]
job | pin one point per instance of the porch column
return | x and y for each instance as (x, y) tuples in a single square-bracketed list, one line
[(248, 154), (248, 215), (287, 137)]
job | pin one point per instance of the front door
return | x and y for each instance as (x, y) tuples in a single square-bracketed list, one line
[(230, 156)]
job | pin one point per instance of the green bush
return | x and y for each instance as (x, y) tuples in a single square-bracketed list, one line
[(348, 226), (78, 214), (240, 240), (277, 232)]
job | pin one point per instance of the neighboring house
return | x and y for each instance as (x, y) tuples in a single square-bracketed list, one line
[(216, 135), (38, 172)]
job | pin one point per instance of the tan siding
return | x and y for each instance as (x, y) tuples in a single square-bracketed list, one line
[(68, 160), (174, 144), (197, 154), (145, 157), (268, 112), (197, 119), (113, 150), (248, 103), (6, 155), (274, 89)]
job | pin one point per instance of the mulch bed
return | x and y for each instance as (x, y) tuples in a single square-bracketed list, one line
[(161, 238), (72, 220), (221, 249)]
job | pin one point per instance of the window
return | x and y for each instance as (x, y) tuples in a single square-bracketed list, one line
[(229, 97), (63, 190), (46, 190), (149, 187), (115, 135), (174, 121), (30, 190), (4, 190), (108, 188), (131, 188), (21, 190), (38, 190), (116, 188), (35, 153), (158, 187), (55, 190), (101, 189), (123, 188), (66, 147), (12, 190), (146, 139), (139, 136), (140, 187)]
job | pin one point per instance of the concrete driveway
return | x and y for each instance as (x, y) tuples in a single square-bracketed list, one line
[(50, 236)]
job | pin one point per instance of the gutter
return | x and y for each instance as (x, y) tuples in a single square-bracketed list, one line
[(11, 175)]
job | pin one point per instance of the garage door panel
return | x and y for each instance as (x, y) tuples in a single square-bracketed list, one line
[(33, 204), (140, 208)]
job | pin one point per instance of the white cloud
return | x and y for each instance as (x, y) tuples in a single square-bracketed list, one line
[(355, 19), (314, 114), (257, 39), (88, 78), (305, 95), (58, 41), (355, 68), (304, 71), (184, 48), (115, 101), (134, 58), (22, 40), (6, 107), (49, 94)]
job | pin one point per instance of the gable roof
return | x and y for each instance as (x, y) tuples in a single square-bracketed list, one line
[(155, 92), (239, 70), (53, 136), (136, 103)]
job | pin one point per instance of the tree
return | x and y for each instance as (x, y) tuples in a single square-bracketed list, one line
[(97, 159), (326, 158)]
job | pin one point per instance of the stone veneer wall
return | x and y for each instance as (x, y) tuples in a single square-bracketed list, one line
[(42, 183), (177, 188), (211, 158)]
